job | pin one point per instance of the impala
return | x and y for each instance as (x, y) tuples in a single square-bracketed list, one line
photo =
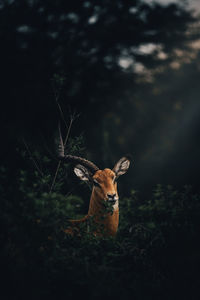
[(104, 191)]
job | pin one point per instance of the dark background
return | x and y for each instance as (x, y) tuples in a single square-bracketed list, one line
[(129, 73), (148, 107)]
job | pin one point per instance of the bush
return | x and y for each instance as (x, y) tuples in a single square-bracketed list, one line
[(155, 254)]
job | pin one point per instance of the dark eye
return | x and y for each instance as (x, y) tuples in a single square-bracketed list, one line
[(96, 183)]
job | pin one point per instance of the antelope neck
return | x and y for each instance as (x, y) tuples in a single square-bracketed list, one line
[(111, 221)]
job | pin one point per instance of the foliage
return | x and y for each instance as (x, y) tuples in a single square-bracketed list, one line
[(155, 249), (156, 252)]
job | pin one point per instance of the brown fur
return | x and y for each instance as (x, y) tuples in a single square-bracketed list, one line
[(109, 221)]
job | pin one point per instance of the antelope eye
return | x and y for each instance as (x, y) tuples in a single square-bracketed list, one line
[(96, 183)]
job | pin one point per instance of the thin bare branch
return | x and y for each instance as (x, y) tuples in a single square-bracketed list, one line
[(68, 131), (73, 116), (65, 142), (57, 92), (32, 158), (61, 112)]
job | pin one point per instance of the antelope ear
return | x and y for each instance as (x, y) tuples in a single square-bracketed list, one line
[(82, 173), (121, 166)]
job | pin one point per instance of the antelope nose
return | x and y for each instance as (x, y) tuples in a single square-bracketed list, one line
[(111, 196)]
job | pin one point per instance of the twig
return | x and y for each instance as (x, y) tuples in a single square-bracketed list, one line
[(57, 96), (61, 112), (72, 118), (65, 142), (32, 158)]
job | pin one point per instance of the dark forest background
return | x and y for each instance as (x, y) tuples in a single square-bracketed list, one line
[(127, 73)]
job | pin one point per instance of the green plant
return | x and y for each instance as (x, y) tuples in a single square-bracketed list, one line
[(157, 236)]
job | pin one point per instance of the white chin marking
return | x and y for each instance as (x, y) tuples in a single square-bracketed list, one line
[(116, 205)]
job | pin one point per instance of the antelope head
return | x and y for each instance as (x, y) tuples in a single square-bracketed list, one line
[(104, 181)]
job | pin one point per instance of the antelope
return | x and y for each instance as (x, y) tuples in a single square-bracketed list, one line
[(104, 191)]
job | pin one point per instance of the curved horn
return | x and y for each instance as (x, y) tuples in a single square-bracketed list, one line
[(74, 159)]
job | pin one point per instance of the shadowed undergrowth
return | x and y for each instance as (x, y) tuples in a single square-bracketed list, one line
[(155, 254)]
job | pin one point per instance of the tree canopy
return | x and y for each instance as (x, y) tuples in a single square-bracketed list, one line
[(90, 54)]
